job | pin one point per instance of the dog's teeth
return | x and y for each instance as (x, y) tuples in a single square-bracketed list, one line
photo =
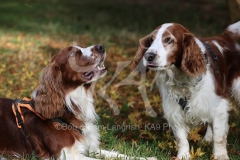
[(102, 66)]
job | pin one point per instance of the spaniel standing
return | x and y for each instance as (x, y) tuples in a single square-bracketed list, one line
[(59, 122), (196, 77)]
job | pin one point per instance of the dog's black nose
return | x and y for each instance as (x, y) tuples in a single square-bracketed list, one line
[(150, 56), (100, 48)]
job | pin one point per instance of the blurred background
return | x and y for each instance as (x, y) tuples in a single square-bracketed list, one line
[(32, 31)]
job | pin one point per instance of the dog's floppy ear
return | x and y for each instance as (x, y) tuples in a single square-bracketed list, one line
[(49, 97), (193, 62), (144, 44)]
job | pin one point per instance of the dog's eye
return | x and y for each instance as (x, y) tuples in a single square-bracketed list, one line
[(72, 54), (151, 40), (168, 40)]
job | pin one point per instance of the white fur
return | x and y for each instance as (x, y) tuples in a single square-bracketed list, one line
[(220, 128), (183, 145), (158, 48), (201, 105), (89, 143), (234, 28), (84, 100), (34, 94), (85, 51), (200, 44), (74, 152), (236, 90), (199, 108), (218, 46), (238, 47), (208, 135)]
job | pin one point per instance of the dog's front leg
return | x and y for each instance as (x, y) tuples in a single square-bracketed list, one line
[(208, 135), (182, 142), (220, 130)]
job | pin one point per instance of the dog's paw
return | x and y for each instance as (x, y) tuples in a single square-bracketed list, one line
[(185, 156), (220, 153), (221, 156)]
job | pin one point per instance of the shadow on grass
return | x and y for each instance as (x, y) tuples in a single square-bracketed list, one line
[(60, 17)]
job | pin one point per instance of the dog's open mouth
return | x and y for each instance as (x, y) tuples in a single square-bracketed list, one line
[(156, 67), (98, 70), (151, 65)]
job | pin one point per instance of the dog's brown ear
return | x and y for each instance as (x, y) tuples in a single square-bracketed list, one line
[(144, 44), (49, 97), (193, 62)]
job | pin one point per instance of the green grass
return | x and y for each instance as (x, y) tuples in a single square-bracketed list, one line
[(32, 31)]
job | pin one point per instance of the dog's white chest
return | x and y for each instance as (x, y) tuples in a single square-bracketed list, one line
[(199, 93)]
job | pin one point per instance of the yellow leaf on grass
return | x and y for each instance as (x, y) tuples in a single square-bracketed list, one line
[(232, 125), (175, 144), (130, 104), (146, 134), (167, 135), (170, 145), (133, 117), (162, 145), (194, 136), (156, 99), (114, 93), (197, 153), (134, 143), (106, 116)]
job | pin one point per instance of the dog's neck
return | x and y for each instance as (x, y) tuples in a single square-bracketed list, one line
[(177, 83), (80, 102)]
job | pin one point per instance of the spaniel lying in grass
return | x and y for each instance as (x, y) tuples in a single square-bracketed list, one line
[(59, 121)]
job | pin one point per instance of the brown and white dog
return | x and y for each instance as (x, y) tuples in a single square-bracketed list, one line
[(60, 122), (196, 77), (64, 92)]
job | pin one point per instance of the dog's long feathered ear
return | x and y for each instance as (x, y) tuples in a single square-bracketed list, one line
[(144, 44), (49, 97), (193, 62)]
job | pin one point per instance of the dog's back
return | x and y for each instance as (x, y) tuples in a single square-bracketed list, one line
[(226, 69), (233, 31)]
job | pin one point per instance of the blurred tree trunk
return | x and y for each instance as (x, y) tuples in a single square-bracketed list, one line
[(234, 10)]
